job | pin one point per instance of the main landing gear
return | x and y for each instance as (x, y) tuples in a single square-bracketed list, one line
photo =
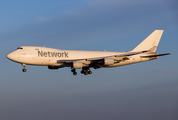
[(84, 71), (24, 70), (74, 72)]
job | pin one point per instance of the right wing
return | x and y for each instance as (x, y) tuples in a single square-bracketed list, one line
[(98, 62), (99, 58)]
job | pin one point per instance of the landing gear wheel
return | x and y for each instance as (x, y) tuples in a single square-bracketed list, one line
[(73, 70), (24, 70), (82, 72), (86, 73), (74, 73), (89, 72)]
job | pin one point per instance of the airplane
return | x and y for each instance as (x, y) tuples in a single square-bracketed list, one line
[(78, 59)]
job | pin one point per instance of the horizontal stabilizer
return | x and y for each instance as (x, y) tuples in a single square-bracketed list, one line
[(156, 55)]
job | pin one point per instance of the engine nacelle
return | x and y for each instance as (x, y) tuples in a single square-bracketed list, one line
[(77, 65), (108, 61)]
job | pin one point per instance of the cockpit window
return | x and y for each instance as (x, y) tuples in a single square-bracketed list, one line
[(19, 48)]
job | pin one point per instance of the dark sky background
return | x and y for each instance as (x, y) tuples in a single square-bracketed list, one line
[(143, 91)]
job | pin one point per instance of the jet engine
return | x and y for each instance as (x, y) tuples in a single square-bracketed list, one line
[(77, 65), (108, 61)]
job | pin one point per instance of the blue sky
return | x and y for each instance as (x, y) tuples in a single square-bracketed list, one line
[(145, 90)]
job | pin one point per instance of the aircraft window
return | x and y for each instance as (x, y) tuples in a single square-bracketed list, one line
[(19, 48)]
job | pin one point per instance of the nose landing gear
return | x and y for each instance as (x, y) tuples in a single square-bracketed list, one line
[(24, 70)]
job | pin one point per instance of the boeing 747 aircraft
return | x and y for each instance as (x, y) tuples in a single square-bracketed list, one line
[(77, 59)]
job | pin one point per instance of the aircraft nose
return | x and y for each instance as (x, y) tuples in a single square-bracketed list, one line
[(11, 56)]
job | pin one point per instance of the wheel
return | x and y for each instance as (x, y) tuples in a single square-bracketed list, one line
[(86, 73), (74, 73), (82, 71), (89, 72), (73, 70), (24, 70)]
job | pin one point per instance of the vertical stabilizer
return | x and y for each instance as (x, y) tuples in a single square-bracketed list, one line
[(150, 43)]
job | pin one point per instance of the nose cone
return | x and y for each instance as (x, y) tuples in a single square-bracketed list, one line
[(12, 56), (9, 56)]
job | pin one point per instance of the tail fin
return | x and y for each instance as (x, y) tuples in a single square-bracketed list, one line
[(150, 43)]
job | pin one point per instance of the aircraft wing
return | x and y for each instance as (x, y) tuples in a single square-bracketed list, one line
[(124, 55)]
